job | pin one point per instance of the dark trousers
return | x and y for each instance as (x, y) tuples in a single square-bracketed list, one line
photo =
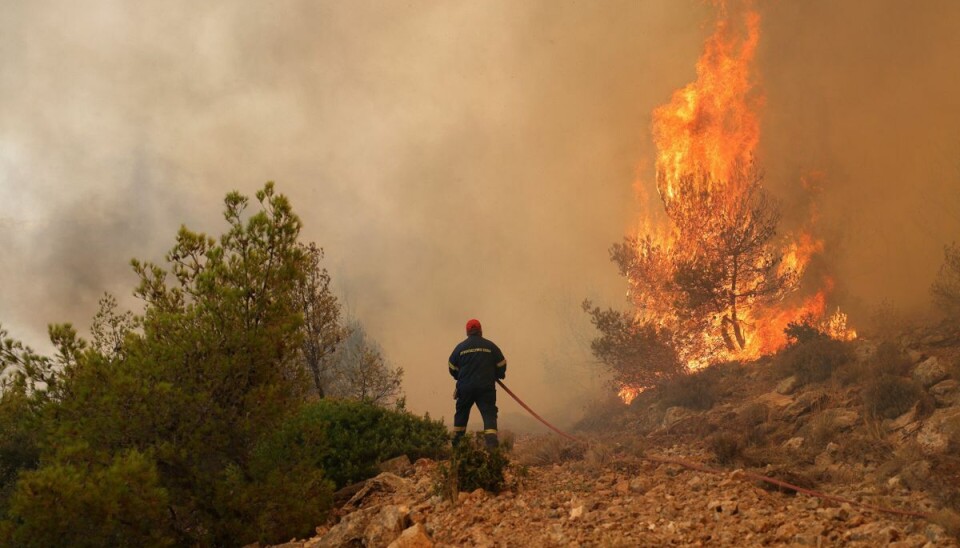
[(486, 400)]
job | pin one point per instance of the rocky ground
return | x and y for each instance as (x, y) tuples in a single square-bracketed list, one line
[(625, 501), (610, 491)]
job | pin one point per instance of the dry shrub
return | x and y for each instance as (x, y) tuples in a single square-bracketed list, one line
[(822, 430), (600, 414), (752, 421), (761, 457), (871, 448), (890, 360), (815, 360), (949, 520), (852, 372), (726, 447), (549, 449), (889, 396), (597, 456), (907, 462), (507, 440), (695, 390)]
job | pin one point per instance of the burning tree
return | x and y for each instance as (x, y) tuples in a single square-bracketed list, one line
[(719, 263)]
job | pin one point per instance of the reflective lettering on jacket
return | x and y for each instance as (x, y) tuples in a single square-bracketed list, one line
[(477, 363)]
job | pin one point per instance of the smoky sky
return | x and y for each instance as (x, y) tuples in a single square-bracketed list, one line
[(454, 159)]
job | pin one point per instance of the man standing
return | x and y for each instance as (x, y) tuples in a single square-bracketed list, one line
[(476, 364)]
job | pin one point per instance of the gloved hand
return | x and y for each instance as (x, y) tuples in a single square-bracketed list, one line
[(455, 394)]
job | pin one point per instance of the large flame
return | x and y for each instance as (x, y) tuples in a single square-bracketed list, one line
[(711, 127)]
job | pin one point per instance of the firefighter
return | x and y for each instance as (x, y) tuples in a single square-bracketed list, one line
[(476, 364)]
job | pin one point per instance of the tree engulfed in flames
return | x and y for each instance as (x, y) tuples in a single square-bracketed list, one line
[(713, 276)]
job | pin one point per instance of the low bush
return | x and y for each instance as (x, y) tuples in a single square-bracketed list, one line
[(815, 360), (120, 504), (890, 360), (889, 396), (726, 447), (695, 390), (752, 421), (472, 466), (358, 436)]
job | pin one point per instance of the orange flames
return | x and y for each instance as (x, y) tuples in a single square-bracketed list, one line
[(710, 128)]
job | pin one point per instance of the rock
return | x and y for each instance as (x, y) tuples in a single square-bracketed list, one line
[(793, 444), (674, 415), (915, 355), (939, 431), (349, 532), (622, 487), (386, 525), (904, 420), (413, 537), (804, 404), (946, 393), (930, 372), (844, 419), (400, 466), (576, 512), (788, 385), (384, 483)]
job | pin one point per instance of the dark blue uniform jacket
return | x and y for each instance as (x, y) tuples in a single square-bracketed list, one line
[(477, 363)]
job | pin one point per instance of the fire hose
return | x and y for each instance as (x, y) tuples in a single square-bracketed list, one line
[(739, 474)]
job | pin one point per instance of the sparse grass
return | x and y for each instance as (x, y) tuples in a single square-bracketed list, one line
[(814, 360), (889, 396), (822, 430), (752, 421), (549, 449)]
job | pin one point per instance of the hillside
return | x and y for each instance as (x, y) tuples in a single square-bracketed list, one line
[(833, 430)]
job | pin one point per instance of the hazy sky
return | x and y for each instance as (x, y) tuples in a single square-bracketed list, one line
[(456, 159)]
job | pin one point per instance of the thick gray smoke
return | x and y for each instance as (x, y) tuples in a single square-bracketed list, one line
[(455, 159)]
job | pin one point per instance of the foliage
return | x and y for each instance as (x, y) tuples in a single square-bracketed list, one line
[(694, 390), (360, 371), (815, 360), (721, 259), (359, 435), (889, 359), (946, 286), (726, 447), (803, 330), (889, 396), (70, 503), (638, 354), (322, 331), (178, 403), (472, 467)]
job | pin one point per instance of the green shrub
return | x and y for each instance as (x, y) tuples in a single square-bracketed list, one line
[(695, 390), (815, 360), (121, 504), (472, 466), (19, 441), (285, 492), (889, 396), (360, 435)]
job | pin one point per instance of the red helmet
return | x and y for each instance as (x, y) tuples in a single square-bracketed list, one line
[(473, 327)]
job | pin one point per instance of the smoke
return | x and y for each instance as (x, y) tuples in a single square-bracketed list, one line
[(454, 159)]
